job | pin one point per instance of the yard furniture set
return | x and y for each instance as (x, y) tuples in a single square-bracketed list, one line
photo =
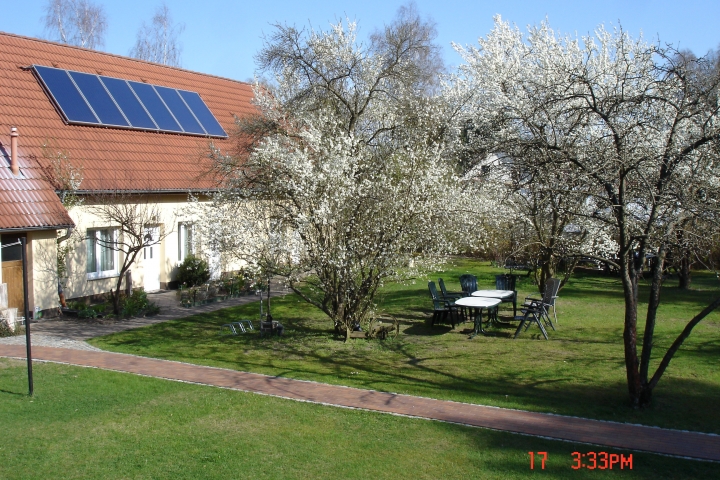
[(457, 307)]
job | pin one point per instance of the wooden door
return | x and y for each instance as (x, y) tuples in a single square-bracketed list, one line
[(12, 275)]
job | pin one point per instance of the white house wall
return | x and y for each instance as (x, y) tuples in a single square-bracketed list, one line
[(172, 208), (42, 257)]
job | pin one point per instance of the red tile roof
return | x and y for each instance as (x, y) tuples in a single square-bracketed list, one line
[(27, 201), (110, 159)]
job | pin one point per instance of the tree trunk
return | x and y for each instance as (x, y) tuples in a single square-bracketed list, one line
[(632, 364), (684, 272), (115, 296), (546, 271)]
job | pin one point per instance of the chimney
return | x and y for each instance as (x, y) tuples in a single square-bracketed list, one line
[(14, 165)]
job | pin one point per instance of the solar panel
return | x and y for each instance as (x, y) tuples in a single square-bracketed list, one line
[(90, 99), (202, 113), (178, 108), (67, 97), (155, 107), (128, 102), (99, 99)]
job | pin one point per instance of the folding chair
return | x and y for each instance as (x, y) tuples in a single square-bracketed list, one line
[(531, 313), (552, 286)]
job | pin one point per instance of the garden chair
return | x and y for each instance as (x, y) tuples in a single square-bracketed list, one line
[(266, 328), (531, 313), (552, 286), (270, 327), (507, 282), (442, 309), (452, 296), (468, 283)]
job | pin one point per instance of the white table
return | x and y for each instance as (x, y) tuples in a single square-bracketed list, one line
[(478, 303), (503, 295)]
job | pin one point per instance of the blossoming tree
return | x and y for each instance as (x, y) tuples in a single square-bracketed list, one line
[(343, 179), (634, 128)]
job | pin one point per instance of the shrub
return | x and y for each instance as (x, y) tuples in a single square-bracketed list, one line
[(193, 271), (138, 304), (5, 330), (88, 311)]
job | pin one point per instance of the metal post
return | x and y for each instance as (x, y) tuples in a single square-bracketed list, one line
[(268, 294), (28, 347)]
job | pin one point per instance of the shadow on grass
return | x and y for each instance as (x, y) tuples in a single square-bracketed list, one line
[(8, 392), (429, 361), (678, 403)]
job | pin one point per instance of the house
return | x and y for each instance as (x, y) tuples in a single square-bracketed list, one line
[(90, 124)]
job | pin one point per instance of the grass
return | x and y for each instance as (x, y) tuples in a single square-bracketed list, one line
[(90, 423), (579, 371)]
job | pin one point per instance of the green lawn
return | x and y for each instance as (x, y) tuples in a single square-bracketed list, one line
[(579, 371), (90, 423)]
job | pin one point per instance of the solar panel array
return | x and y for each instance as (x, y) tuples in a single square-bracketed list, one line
[(88, 99)]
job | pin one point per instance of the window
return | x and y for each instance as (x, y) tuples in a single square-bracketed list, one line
[(101, 252), (185, 240)]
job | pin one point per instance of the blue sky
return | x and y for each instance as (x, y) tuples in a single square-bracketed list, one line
[(221, 36)]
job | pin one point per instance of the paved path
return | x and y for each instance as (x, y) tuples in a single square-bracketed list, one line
[(611, 434), (170, 309)]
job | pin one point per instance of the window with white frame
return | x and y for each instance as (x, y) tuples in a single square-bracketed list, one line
[(101, 252), (185, 240)]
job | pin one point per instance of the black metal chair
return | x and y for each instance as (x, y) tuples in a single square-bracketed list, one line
[(451, 297), (550, 295), (531, 313), (507, 282), (468, 283), (442, 309)]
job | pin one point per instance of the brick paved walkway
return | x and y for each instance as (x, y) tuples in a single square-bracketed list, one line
[(170, 309), (618, 435)]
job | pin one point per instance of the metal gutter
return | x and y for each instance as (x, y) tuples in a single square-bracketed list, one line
[(35, 229)]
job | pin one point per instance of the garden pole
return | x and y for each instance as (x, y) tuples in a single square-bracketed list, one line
[(268, 294), (23, 241)]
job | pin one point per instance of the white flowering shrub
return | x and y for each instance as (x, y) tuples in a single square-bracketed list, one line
[(348, 175)]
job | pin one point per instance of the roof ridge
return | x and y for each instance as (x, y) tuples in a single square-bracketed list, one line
[(89, 50)]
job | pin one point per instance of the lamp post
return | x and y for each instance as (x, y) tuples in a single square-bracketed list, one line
[(28, 347)]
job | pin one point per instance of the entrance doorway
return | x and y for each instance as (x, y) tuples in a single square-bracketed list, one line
[(151, 260), (12, 273)]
